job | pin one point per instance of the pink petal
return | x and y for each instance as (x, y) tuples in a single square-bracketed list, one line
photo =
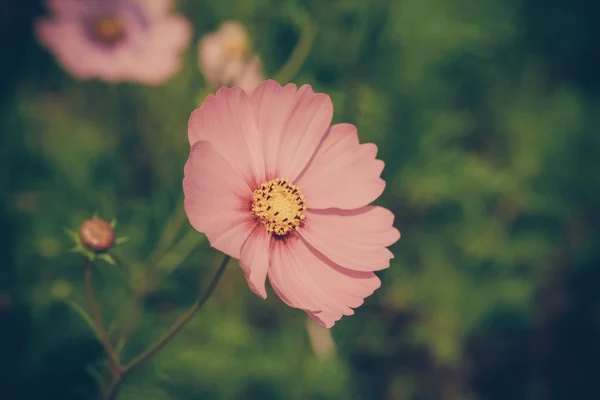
[(343, 173), (171, 35), (211, 58), (65, 7), (252, 75), (144, 70), (355, 239), (156, 8), (226, 121), (325, 319), (254, 260), (76, 53), (305, 279), (155, 58), (217, 200), (293, 122)]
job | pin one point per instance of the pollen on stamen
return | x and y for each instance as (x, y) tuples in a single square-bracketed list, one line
[(279, 205)]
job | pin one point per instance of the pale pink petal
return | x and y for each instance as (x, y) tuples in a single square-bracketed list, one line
[(157, 57), (305, 279), (293, 122), (65, 7), (211, 57), (226, 73), (323, 318), (252, 75), (153, 73), (155, 8), (217, 200), (254, 260), (71, 49), (226, 121), (222, 55), (355, 239), (343, 173), (172, 34)]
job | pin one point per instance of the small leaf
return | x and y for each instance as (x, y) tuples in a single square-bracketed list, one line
[(72, 234), (108, 258), (121, 240), (96, 214), (113, 223), (120, 345)]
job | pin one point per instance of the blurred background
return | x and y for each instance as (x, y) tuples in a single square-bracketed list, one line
[(486, 114)]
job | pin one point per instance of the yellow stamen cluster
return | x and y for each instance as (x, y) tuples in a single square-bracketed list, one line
[(279, 205), (235, 40), (236, 49), (109, 29)]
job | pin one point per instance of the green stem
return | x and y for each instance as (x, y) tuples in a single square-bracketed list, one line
[(296, 60), (164, 242), (84, 315), (169, 233), (163, 268), (175, 328), (117, 369)]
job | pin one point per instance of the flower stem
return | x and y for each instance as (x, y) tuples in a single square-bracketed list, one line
[(167, 336), (117, 368), (169, 234), (294, 63), (163, 268), (165, 241)]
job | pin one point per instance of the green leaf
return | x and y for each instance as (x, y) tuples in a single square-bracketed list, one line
[(121, 240), (108, 258), (72, 234)]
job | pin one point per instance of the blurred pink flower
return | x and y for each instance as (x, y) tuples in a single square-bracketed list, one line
[(115, 40), (225, 59), (272, 184)]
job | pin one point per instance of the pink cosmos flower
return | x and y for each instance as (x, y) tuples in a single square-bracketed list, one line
[(272, 184), (225, 59), (115, 40)]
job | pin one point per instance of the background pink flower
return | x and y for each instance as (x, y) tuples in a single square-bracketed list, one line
[(115, 40), (225, 58), (272, 184)]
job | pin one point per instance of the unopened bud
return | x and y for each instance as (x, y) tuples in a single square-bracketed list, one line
[(97, 235)]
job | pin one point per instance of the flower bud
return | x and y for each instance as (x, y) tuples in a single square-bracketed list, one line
[(97, 235)]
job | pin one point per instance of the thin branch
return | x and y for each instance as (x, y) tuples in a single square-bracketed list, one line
[(175, 328), (292, 66), (117, 369)]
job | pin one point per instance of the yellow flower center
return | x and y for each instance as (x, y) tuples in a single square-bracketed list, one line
[(109, 29), (235, 41), (279, 205), (236, 48)]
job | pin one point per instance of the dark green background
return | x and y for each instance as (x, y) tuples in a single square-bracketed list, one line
[(486, 114)]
